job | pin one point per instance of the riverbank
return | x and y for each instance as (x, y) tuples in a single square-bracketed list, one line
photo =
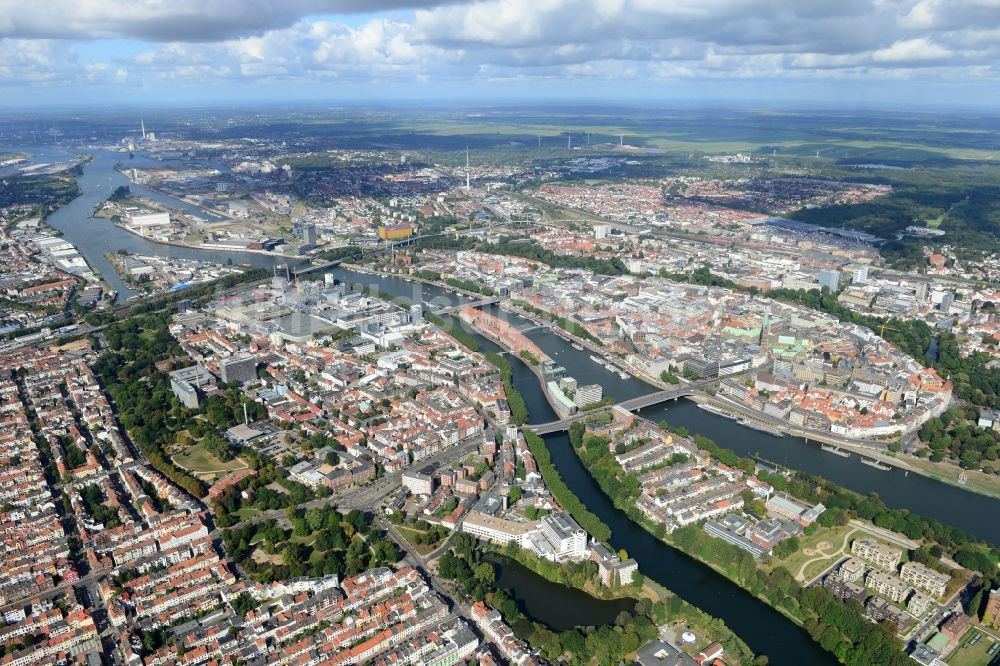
[(774, 587), (977, 482), (977, 487), (677, 613), (203, 246)]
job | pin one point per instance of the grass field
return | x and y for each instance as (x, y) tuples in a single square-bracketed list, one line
[(975, 655), (810, 559), (409, 533), (987, 484), (200, 462)]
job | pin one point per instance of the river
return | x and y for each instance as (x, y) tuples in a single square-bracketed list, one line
[(761, 627), (93, 237), (922, 495)]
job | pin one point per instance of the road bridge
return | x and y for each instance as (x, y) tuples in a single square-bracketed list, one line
[(633, 404), (474, 304)]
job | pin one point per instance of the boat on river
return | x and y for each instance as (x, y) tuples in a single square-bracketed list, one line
[(834, 450), (597, 359), (761, 428), (872, 462), (576, 347), (715, 410)]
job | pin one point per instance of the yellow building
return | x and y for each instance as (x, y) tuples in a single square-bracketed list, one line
[(397, 232)]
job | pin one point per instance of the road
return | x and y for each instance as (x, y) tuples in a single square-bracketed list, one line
[(422, 564), (943, 610)]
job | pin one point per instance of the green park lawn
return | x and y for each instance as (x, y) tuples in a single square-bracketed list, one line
[(197, 460)]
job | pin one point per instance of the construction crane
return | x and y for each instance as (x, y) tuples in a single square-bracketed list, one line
[(881, 335)]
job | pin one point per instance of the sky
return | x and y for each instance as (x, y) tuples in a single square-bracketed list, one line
[(160, 52)]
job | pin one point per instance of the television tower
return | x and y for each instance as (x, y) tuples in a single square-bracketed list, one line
[(142, 126), (569, 142), (621, 140), (468, 181)]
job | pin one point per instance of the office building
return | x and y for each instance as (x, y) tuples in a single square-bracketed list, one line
[(588, 395), (498, 530), (187, 383), (947, 300), (568, 540), (829, 279), (238, 369), (860, 275)]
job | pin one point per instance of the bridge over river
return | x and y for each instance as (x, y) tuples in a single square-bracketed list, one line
[(647, 400)]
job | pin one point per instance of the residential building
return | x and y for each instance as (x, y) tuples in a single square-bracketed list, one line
[(886, 585), (418, 483), (853, 570), (924, 578), (879, 555)]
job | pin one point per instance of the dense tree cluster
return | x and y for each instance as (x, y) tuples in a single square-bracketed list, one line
[(518, 408), (561, 492), (453, 329), (147, 408), (965, 201), (321, 542), (954, 434)]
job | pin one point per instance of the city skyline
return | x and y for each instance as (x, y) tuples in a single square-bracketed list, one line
[(861, 54)]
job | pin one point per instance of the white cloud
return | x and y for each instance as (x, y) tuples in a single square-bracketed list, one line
[(205, 42)]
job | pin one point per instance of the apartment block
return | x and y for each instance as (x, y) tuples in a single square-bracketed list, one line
[(924, 578), (887, 585), (876, 554)]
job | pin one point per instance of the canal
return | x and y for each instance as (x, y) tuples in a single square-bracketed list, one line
[(555, 605)]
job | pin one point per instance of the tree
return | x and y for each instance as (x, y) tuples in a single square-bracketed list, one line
[(514, 495), (485, 573), (243, 603)]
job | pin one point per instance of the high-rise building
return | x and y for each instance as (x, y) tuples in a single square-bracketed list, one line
[(309, 233), (829, 279), (238, 369), (588, 395), (860, 275), (947, 300)]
